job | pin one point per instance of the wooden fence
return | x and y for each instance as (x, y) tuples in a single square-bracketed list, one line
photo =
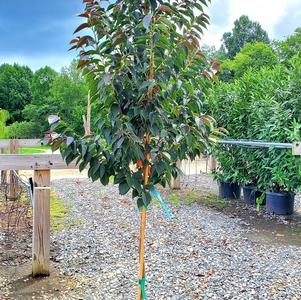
[(41, 164)]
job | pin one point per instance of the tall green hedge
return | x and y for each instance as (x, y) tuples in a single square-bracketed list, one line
[(261, 105)]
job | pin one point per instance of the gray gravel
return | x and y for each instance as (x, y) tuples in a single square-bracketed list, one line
[(202, 254)]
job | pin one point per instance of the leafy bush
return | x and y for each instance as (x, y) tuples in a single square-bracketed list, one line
[(23, 130), (4, 116), (230, 165), (253, 56), (261, 105)]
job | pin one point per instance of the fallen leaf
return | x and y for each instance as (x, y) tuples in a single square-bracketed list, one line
[(279, 235)]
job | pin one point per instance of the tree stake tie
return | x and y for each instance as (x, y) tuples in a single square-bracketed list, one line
[(142, 285), (156, 194)]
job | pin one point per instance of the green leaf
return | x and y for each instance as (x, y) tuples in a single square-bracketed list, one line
[(146, 197), (102, 171), (146, 21), (105, 179), (123, 188), (153, 4), (83, 165), (69, 140), (135, 193), (140, 203)]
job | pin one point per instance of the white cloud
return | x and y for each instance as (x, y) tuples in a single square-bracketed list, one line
[(268, 13)]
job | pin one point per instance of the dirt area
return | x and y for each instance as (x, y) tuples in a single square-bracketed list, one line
[(24, 286)]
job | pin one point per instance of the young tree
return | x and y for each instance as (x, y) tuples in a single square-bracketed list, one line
[(244, 31), (145, 70)]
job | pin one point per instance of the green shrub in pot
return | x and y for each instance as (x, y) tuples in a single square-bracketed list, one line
[(279, 172), (228, 171)]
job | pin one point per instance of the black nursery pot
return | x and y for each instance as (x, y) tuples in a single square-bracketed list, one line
[(229, 190), (280, 203), (251, 194)]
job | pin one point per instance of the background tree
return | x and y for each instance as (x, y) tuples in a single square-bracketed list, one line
[(15, 90), (212, 53), (290, 47), (63, 93), (34, 122), (244, 31), (253, 56), (68, 97), (145, 71), (41, 84)]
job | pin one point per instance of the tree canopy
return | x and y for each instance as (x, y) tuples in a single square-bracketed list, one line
[(41, 84), (148, 83), (15, 91), (63, 93), (253, 56), (29, 97), (290, 47), (244, 31)]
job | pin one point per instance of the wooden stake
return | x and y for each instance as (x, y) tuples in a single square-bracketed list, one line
[(211, 163), (141, 251), (87, 118), (13, 182), (143, 224), (145, 177), (3, 173), (41, 223)]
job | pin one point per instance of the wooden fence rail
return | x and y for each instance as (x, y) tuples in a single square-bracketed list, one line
[(41, 164), (21, 143), (33, 162)]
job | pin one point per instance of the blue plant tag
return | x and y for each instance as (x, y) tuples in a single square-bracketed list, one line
[(156, 194)]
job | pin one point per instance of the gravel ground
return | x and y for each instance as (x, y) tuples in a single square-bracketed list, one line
[(202, 254)]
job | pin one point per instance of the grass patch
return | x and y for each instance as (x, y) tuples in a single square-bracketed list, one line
[(215, 201), (59, 212), (34, 150), (190, 197)]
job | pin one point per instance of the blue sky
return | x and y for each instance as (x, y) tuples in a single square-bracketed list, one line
[(36, 33)]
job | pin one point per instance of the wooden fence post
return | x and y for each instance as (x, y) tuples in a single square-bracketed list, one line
[(211, 163), (41, 223), (13, 181), (3, 177), (176, 182)]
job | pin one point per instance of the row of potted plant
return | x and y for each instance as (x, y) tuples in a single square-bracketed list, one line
[(275, 194), (264, 106)]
